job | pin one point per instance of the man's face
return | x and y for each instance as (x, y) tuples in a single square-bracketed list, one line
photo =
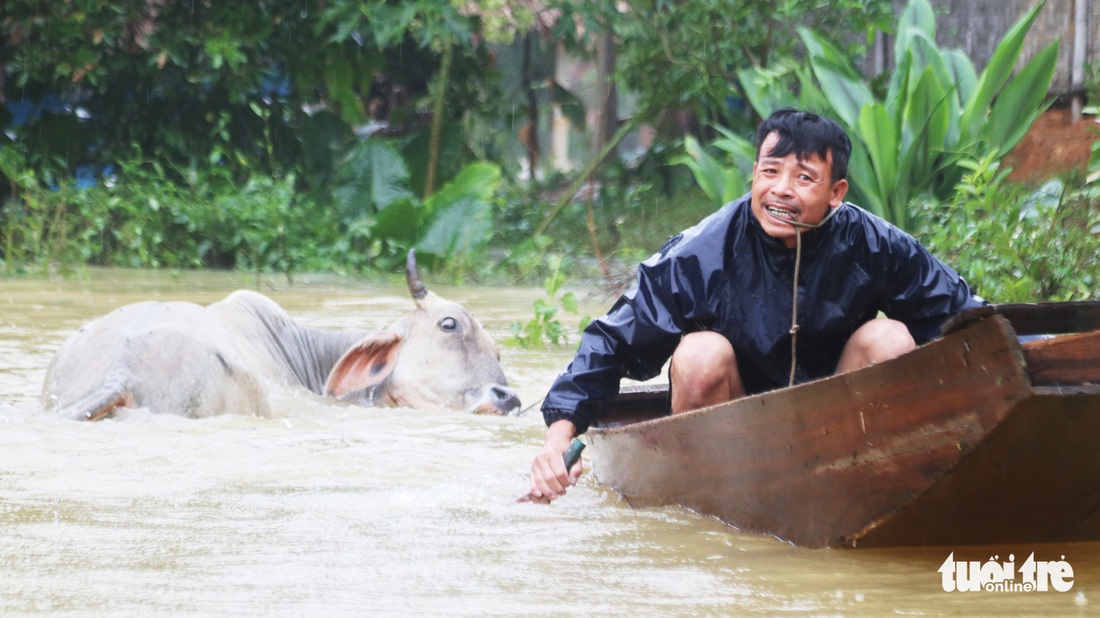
[(787, 189)]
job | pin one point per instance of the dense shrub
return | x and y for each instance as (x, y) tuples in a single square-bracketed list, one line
[(1014, 244)]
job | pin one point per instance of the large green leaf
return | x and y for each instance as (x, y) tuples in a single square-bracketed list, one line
[(996, 73), (965, 79), (476, 181), (937, 100), (846, 97), (843, 87), (926, 122), (962, 72), (918, 107), (401, 222), (1021, 102), (452, 148), (457, 228), (898, 92), (741, 150), (767, 89), (371, 178), (927, 56), (708, 173), (324, 135), (809, 95), (341, 83), (944, 129), (460, 214), (863, 188), (881, 139), (916, 18), (823, 51)]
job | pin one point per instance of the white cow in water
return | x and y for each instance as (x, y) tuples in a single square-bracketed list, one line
[(186, 359)]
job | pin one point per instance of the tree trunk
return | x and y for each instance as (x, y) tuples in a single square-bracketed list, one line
[(607, 98), (529, 133), (437, 118)]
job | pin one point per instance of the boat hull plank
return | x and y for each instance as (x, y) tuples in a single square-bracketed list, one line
[(820, 463), (1036, 479), (1069, 360)]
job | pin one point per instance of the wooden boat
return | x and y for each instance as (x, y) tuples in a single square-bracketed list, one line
[(970, 439)]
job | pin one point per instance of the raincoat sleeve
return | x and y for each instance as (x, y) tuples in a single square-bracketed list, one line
[(633, 340), (924, 292)]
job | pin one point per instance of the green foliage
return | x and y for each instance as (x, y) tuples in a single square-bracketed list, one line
[(722, 180), (176, 80), (144, 219), (935, 115), (686, 55), (376, 204), (1012, 246), (36, 223), (458, 218), (267, 86), (373, 174), (544, 328)]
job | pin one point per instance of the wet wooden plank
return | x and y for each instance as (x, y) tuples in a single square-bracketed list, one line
[(1035, 479), (1036, 318), (1064, 361)]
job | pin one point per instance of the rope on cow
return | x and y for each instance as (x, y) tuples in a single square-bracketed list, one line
[(798, 227)]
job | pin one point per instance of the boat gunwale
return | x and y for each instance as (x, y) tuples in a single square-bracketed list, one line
[(747, 402)]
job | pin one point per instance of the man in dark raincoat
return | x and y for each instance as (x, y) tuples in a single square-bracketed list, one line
[(720, 298)]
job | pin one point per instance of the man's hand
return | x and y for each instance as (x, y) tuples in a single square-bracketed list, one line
[(549, 478)]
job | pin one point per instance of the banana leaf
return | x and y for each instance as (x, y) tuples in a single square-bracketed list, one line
[(1021, 102), (880, 135), (917, 17), (996, 74), (843, 87)]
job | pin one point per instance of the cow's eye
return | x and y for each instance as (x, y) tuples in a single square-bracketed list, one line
[(448, 325)]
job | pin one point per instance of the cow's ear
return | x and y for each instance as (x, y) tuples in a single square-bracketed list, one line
[(366, 363)]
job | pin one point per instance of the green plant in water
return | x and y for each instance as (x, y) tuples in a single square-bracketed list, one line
[(544, 328), (35, 222)]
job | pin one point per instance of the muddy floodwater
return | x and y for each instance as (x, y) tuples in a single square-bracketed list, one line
[(333, 510)]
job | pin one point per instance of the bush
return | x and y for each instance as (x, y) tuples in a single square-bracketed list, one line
[(1013, 245), (150, 217)]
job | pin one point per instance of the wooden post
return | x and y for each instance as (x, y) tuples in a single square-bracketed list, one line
[(1079, 58)]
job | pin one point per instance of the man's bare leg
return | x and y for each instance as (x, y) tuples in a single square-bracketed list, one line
[(876, 341), (703, 372)]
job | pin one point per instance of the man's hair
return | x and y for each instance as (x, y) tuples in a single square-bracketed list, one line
[(805, 134)]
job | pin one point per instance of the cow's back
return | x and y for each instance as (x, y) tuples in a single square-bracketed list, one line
[(166, 356), (279, 348)]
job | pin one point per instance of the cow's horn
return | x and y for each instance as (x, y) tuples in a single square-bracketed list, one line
[(412, 276)]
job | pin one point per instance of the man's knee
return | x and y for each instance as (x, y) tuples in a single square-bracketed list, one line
[(886, 336), (703, 353), (703, 371), (875, 342)]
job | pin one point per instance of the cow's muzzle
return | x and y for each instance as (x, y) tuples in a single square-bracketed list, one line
[(496, 399)]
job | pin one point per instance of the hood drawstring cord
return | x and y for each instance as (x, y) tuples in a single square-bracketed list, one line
[(798, 227)]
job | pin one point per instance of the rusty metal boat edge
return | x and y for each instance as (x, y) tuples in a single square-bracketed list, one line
[(970, 439)]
